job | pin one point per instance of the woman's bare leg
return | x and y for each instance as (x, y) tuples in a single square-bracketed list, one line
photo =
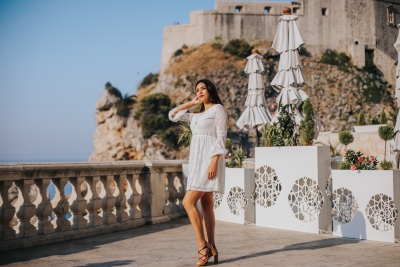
[(189, 203), (207, 204)]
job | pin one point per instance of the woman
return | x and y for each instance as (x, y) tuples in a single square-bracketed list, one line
[(206, 163)]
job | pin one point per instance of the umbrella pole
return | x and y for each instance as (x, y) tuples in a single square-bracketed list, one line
[(258, 135)]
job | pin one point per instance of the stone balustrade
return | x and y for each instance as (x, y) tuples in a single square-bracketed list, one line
[(42, 203)]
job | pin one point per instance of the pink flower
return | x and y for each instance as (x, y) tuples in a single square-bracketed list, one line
[(373, 159), (272, 106), (345, 151), (353, 167), (360, 159), (297, 125)]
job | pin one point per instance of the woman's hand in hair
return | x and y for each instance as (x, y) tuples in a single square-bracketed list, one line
[(187, 105)]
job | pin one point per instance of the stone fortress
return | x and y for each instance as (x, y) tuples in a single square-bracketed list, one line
[(364, 29)]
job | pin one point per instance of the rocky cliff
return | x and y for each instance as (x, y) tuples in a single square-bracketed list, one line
[(337, 95)]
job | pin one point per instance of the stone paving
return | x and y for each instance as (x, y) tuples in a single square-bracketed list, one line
[(173, 244)]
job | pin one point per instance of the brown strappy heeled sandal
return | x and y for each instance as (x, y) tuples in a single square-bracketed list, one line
[(213, 252), (203, 257)]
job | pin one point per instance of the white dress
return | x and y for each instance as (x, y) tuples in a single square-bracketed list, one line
[(208, 139)]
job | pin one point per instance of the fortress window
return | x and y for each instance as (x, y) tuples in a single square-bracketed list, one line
[(267, 10), (356, 42), (238, 9), (295, 10), (324, 12), (390, 15)]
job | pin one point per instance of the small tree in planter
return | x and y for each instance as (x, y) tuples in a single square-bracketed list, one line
[(307, 124), (361, 119), (345, 138), (237, 159), (382, 117), (386, 133)]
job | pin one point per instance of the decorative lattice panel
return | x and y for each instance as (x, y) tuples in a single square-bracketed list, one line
[(268, 187), (217, 199), (381, 212), (345, 205), (237, 200), (306, 199)]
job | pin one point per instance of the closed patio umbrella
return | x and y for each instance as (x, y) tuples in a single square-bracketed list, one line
[(256, 114), (397, 96)]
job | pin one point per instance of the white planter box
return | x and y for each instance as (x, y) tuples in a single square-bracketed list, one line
[(296, 199), (367, 128), (366, 204), (235, 205)]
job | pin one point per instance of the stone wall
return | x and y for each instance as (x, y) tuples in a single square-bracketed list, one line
[(349, 26)]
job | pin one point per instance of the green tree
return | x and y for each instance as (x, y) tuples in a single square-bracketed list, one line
[(345, 138), (123, 105), (386, 133), (152, 114), (238, 47), (361, 118), (382, 117), (307, 131)]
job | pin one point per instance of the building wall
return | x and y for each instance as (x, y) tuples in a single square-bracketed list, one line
[(386, 35), (349, 26)]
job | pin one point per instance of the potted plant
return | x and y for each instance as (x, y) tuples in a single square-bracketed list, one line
[(386, 133), (365, 199), (345, 138), (235, 205), (289, 168), (373, 124)]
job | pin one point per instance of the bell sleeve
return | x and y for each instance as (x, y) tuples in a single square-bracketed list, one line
[(182, 115), (221, 126)]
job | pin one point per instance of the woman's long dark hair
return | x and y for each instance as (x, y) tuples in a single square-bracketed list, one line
[(212, 90)]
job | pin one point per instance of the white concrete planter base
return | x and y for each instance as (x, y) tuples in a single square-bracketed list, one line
[(366, 204), (290, 187), (235, 205)]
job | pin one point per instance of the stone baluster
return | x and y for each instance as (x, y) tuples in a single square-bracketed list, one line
[(94, 204), (7, 212), (27, 209), (108, 200), (62, 208), (120, 203), (171, 195), (44, 209), (79, 205), (181, 192), (134, 199)]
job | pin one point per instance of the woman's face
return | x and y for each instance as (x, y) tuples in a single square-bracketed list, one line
[(202, 94)]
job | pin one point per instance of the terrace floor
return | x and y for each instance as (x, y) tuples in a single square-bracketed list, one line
[(173, 244)]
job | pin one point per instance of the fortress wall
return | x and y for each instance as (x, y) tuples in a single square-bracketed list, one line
[(386, 35), (253, 7)]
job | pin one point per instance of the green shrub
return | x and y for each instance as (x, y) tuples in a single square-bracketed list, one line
[(149, 79), (152, 116), (217, 42), (386, 133), (178, 52), (237, 158), (341, 60), (123, 105), (272, 136), (186, 135), (386, 165), (303, 52), (344, 166), (307, 124), (238, 47), (371, 85), (357, 161), (112, 90), (374, 120), (361, 119), (382, 117), (228, 144)]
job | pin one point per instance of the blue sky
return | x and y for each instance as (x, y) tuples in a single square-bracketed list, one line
[(56, 56)]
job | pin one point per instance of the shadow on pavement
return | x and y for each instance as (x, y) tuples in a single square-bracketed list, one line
[(330, 242), (86, 244), (107, 264)]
